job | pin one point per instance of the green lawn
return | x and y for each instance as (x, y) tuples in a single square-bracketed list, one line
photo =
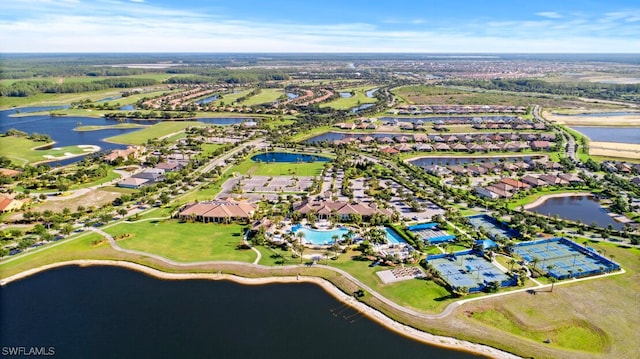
[(358, 98), (156, 131), (570, 336), (230, 98), (251, 167), (46, 99), (265, 96), (421, 295), (108, 127), (82, 247), (184, 242), (21, 150)]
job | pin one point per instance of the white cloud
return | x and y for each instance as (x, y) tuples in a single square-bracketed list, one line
[(550, 14)]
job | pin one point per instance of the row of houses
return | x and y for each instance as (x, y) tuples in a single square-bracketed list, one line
[(507, 187), (471, 147), (458, 138), (457, 109), (482, 168)]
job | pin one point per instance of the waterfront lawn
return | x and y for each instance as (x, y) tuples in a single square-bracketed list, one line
[(265, 96), (86, 246), (183, 242), (251, 167), (359, 98), (22, 150), (230, 98), (108, 127), (156, 131), (421, 295)]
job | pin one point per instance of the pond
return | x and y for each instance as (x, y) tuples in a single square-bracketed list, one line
[(610, 134), (334, 136), (599, 114), (127, 108), (288, 157), (345, 94), (207, 100), (292, 95), (61, 128), (583, 208), (370, 93), (451, 161), (89, 309), (361, 107)]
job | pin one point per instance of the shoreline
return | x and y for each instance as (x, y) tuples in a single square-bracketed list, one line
[(369, 312), (542, 199)]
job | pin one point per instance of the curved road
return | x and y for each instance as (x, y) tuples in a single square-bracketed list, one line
[(447, 311)]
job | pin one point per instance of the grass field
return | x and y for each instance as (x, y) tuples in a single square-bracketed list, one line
[(438, 95), (45, 99), (251, 167), (155, 131), (204, 242), (21, 150), (358, 98), (230, 98), (265, 96), (108, 127)]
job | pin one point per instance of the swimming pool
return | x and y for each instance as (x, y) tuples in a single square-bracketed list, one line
[(393, 237), (319, 237)]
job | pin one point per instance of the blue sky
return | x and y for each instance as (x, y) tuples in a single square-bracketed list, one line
[(319, 26)]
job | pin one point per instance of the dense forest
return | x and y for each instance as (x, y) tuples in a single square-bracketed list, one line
[(621, 92), (31, 87)]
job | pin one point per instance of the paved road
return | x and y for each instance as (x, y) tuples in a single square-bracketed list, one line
[(570, 147)]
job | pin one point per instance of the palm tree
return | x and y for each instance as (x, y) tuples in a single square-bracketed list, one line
[(512, 262), (535, 261), (553, 282)]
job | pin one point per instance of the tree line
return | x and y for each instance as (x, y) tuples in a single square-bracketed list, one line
[(32, 87), (626, 92)]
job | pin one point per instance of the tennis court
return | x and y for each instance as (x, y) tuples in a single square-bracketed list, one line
[(430, 233), (563, 258), (468, 269), (492, 226)]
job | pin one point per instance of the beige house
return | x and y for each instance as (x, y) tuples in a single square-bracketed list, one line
[(218, 211)]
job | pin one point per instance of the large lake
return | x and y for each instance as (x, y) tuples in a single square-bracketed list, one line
[(584, 208), (61, 128), (112, 312), (610, 134)]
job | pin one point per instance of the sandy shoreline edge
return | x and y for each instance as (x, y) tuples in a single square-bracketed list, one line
[(375, 315)]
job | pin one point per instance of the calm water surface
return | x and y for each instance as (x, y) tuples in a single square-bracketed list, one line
[(610, 134), (584, 208), (61, 128), (111, 312)]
